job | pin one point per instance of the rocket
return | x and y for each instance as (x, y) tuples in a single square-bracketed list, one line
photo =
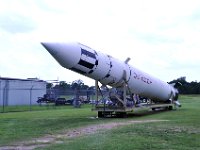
[(110, 71)]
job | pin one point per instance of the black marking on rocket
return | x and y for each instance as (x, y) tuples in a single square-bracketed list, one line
[(109, 56), (96, 62), (91, 71), (113, 80), (87, 53), (78, 70), (85, 64), (108, 75), (95, 52), (111, 64)]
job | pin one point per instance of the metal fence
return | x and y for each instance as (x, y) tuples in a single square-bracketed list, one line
[(11, 99), (25, 99)]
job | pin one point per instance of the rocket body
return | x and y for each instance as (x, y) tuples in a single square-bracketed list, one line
[(109, 71)]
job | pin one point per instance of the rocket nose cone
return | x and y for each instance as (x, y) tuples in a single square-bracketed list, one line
[(50, 47), (67, 54)]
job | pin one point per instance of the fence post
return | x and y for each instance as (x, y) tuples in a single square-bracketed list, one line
[(31, 97), (5, 95)]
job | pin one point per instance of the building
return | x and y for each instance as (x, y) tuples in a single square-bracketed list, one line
[(21, 91)]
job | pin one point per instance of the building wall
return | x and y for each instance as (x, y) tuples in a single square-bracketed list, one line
[(21, 92)]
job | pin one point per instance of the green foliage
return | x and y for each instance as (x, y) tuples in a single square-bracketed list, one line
[(187, 87), (63, 85), (77, 84), (49, 85)]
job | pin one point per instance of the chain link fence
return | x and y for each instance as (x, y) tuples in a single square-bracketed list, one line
[(28, 99)]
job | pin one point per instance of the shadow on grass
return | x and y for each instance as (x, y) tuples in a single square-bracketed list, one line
[(146, 113), (138, 114)]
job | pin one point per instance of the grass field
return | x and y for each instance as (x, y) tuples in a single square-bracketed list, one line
[(180, 132)]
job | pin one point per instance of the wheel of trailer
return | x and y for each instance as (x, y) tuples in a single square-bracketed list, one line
[(170, 107), (117, 114), (100, 114), (121, 114)]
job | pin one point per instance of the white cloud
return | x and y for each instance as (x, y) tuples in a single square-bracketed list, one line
[(161, 37)]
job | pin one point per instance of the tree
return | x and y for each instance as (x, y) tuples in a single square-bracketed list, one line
[(49, 85), (187, 87), (63, 85), (78, 84)]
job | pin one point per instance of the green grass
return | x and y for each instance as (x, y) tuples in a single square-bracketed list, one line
[(25, 125), (182, 131), (19, 108), (142, 136), (22, 108)]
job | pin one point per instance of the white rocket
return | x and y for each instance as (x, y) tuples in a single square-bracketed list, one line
[(110, 71)]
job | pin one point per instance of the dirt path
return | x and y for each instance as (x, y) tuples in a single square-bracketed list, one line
[(58, 138)]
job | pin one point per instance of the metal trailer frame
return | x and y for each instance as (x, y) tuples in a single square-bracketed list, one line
[(105, 110)]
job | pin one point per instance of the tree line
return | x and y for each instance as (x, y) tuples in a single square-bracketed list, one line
[(63, 85), (181, 84), (185, 87)]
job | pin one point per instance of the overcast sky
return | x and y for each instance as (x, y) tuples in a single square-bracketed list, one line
[(162, 37)]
